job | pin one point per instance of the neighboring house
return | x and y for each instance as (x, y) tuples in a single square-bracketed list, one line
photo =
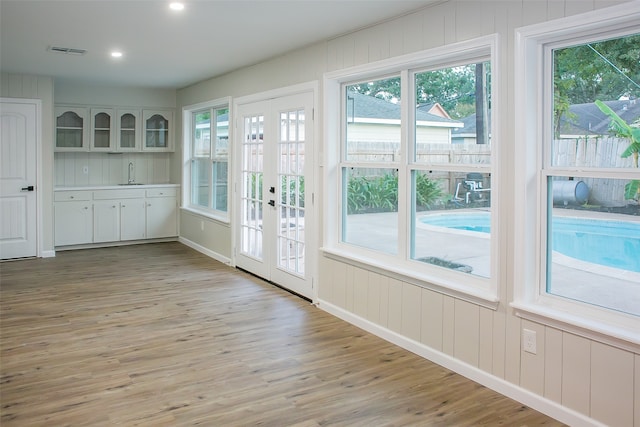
[(374, 120), (586, 119), (581, 120), (467, 134), (434, 108)]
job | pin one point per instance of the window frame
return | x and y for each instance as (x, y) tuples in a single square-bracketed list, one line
[(533, 167), (188, 113), (480, 290)]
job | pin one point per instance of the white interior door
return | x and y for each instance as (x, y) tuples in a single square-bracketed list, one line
[(275, 141), (18, 217)]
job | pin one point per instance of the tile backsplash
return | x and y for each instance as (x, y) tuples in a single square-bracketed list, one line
[(88, 169)]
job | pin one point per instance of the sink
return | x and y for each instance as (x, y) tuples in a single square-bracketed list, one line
[(133, 183)]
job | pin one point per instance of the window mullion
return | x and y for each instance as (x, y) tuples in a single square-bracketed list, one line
[(404, 179)]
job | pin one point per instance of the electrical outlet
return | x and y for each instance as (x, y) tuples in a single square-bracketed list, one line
[(85, 170), (529, 341)]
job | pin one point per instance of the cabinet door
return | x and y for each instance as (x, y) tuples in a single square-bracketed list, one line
[(102, 129), (132, 219), (162, 217), (128, 132), (71, 129), (73, 223), (158, 126), (106, 221)]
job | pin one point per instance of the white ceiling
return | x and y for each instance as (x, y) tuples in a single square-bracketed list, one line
[(168, 49)]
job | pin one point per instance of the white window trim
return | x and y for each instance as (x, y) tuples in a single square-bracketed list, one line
[(187, 134), (475, 289), (530, 299)]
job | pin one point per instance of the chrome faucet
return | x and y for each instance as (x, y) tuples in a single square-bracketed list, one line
[(131, 179)]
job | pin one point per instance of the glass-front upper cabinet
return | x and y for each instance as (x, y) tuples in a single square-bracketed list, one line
[(157, 130), (71, 129), (128, 130), (102, 129)]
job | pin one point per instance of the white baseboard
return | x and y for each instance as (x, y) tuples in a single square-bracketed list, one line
[(208, 252), (532, 400), (48, 254)]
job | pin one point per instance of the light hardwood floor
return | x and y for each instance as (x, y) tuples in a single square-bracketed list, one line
[(159, 334)]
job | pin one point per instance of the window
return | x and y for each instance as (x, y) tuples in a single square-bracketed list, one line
[(414, 169), (581, 175), (207, 159)]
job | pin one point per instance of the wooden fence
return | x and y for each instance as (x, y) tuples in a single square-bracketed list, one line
[(600, 152)]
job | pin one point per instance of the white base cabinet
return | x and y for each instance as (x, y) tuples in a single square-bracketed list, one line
[(112, 215), (162, 215)]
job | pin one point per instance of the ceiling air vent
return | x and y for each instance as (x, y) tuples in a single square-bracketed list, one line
[(67, 50)]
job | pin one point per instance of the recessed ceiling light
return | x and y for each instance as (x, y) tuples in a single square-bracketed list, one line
[(116, 54), (176, 5)]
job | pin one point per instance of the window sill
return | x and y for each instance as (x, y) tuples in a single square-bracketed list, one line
[(620, 336), (446, 286), (224, 220)]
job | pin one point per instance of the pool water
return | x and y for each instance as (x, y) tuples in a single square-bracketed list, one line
[(605, 242)]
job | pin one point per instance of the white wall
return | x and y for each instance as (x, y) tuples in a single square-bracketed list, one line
[(577, 380)]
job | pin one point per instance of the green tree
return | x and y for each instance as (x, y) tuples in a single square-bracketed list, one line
[(606, 70)]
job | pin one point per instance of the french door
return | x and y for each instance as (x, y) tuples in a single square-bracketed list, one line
[(274, 142), (18, 157)]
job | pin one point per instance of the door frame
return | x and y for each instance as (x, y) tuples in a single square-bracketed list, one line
[(39, 186), (311, 239)]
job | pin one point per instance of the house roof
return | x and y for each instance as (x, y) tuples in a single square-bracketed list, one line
[(369, 107), (469, 127), (587, 119)]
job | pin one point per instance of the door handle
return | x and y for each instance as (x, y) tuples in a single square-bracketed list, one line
[(272, 202), (272, 190), (29, 188)]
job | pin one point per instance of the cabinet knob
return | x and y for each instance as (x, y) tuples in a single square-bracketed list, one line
[(71, 197), (114, 206)]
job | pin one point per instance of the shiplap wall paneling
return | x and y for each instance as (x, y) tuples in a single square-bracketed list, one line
[(552, 364), (499, 343), (378, 299), (532, 370), (360, 279), (576, 372), (485, 352), (448, 325), (466, 345), (110, 169), (394, 322), (411, 306), (432, 315), (611, 385), (325, 287)]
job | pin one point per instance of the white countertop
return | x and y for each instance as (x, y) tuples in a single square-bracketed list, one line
[(113, 187)]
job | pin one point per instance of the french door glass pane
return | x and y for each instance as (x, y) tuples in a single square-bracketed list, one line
[(252, 177), (291, 210)]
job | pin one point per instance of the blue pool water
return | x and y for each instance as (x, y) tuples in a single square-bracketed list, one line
[(605, 242)]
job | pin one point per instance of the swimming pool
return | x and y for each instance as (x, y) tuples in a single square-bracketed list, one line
[(610, 243)]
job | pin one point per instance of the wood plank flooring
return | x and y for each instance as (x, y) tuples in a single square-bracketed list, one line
[(160, 335)]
